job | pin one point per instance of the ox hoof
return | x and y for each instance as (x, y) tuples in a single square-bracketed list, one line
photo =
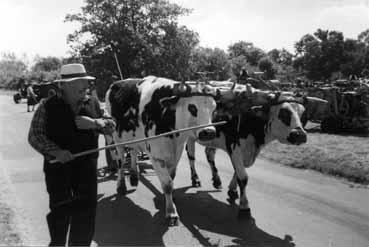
[(196, 183), (133, 179), (172, 221), (244, 214), (217, 183), (122, 190), (233, 195)]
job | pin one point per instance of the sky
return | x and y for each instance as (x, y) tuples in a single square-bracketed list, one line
[(37, 27)]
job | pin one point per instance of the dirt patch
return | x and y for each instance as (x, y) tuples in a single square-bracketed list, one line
[(339, 155)]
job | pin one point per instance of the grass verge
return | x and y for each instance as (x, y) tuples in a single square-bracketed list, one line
[(339, 155), (9, 235)]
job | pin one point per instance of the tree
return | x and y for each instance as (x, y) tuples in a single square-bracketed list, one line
[(354, 60), (364, 37), (47, 64), (248, 50), (144, 34), (12, 69), (280, 56), (210, 60), (266, 65), (321, 54)]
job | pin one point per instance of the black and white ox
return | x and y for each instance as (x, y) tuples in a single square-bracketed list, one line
[(152, 106), (246, 133)]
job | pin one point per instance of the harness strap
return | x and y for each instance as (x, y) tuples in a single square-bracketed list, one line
[(239, 123)]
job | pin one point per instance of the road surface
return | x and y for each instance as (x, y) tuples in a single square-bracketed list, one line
[(290, 207)]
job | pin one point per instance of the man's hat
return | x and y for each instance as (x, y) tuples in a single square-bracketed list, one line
[(74, 71)]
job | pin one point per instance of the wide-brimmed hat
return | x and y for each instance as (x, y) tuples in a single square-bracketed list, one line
[(73, 71)]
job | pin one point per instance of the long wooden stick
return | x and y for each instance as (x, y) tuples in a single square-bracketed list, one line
[(142, 140), (117, 61)]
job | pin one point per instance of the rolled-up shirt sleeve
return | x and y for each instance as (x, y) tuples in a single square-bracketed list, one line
[(37, 136), (105, 122)]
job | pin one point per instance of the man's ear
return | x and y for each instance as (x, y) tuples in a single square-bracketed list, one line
[(169, 101)]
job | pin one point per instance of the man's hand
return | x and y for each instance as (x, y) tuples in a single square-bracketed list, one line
[(63, 156), (84, 122), (109, 127)]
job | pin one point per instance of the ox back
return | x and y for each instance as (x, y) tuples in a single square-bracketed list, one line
[(125, 98)]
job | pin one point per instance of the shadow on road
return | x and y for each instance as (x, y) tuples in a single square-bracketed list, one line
[(121, 222), (200, 210)]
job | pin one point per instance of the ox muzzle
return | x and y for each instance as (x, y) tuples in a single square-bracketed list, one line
[(206, 134), (297, 136)]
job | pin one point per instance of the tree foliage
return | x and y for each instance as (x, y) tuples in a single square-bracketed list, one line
[(248, 50), (47, 64), (210, 60), (266, 65), (12, 69), (327, 52), (144, 34)]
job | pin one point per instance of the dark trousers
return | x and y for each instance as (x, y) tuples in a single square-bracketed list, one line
[(72, 192)]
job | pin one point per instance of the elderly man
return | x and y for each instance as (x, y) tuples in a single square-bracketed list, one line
[(67, 123)]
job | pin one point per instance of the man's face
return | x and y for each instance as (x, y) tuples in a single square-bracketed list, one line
[(75, 90)]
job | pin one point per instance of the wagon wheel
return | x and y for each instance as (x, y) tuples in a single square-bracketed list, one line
[(331, 125), (112, 164), (17, 97), (344, 107)]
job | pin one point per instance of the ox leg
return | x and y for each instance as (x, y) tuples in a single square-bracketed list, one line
[(112, 155), (190, 148), (165, 177), (133, 178), (121, 182), (242, 180), (210, 156), (232, 189)]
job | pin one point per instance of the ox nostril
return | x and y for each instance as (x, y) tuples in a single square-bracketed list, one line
[(297, 136), (206, 134)]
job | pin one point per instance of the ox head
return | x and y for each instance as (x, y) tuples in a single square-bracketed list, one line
[(283, 115), (194, 104)]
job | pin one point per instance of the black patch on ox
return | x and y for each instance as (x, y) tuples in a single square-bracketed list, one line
[(154, 113), (285, 116), (240, 127), (192, 109), (124, 96)]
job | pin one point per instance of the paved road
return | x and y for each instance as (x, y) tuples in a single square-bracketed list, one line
[(290, 207)]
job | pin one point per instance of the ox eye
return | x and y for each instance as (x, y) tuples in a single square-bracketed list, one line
[(192, 109), (285, 116)]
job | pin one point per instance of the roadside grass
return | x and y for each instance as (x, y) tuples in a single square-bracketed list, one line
[(9, 234), (345, 156)]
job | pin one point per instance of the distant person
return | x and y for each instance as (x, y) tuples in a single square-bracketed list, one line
[(31, 98), (69, 122)]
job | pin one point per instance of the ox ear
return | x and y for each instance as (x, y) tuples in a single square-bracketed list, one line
[(169, 101)]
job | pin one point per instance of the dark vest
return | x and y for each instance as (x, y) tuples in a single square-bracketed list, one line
[(62, 130)]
